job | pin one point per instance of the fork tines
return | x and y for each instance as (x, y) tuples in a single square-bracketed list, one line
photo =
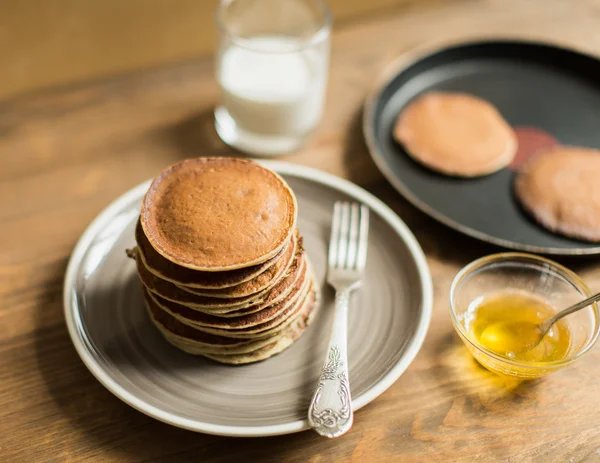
[(349, 236)]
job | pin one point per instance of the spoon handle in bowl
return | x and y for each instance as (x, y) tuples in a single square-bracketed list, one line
[(568, 311)]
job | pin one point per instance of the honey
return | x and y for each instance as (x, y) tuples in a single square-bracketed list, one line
[(507, 324)]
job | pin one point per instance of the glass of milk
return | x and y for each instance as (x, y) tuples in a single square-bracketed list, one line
[(272, 65)]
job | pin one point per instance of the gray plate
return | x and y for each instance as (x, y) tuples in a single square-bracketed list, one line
[(550, 89), (120, 346)]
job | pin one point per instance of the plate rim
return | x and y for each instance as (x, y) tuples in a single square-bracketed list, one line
[(402, 63), (285, 168)]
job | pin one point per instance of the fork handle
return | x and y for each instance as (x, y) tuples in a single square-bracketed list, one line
[(330, 412)]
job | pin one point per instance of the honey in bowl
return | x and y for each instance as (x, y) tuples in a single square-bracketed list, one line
[(507, 323)]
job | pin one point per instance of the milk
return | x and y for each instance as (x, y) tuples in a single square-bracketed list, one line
[(272, 90)]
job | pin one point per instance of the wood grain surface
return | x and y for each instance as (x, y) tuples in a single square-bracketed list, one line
[(66, 41), (66, 154)]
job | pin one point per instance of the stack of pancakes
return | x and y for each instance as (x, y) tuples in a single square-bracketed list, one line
[(221, 261)]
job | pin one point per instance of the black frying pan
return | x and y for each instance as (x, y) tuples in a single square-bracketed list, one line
[(542, 88)]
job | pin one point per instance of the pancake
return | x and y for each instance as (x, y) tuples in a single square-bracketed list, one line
[(184, 294), (213, 305), (273, 326), (284, 311), (264, 312), (167, 322), (284, 340), (195, 348), (456, 134), (174, 293), (249, 351), (265, 280), (273, 296), (561, 191), (174, 273), (197, 343), (199, 338), (218, 214), (261, 330)]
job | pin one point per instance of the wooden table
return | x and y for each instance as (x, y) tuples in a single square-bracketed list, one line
[(65, 154)]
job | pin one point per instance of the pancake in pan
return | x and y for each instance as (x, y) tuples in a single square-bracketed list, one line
[(561, 191), (456, 134)]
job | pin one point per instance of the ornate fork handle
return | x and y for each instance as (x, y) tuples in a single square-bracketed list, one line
[(330, 412)]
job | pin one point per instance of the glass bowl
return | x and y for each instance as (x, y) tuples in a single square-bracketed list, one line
[(557, 285)]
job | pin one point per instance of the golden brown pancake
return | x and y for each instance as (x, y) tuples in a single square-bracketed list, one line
[(185, 294), (456, 134), (192, 347), (220, 306), (272, 296), (273, 326), (285, 311), (561, 190), (218, 214), (265, 280), (204, 303), (246, 351), (282, 342), (174, 273), (225, 339), (248, 317), (167, 322)]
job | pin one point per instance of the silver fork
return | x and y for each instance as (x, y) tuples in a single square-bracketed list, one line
[(330, 412)]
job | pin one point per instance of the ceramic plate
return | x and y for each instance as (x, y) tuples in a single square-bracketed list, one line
[(550, 95), (115, 339)]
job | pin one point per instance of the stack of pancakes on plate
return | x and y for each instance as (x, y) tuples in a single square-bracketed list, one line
[(221, 261)]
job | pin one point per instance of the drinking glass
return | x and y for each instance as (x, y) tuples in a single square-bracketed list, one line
[(272, 66)]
